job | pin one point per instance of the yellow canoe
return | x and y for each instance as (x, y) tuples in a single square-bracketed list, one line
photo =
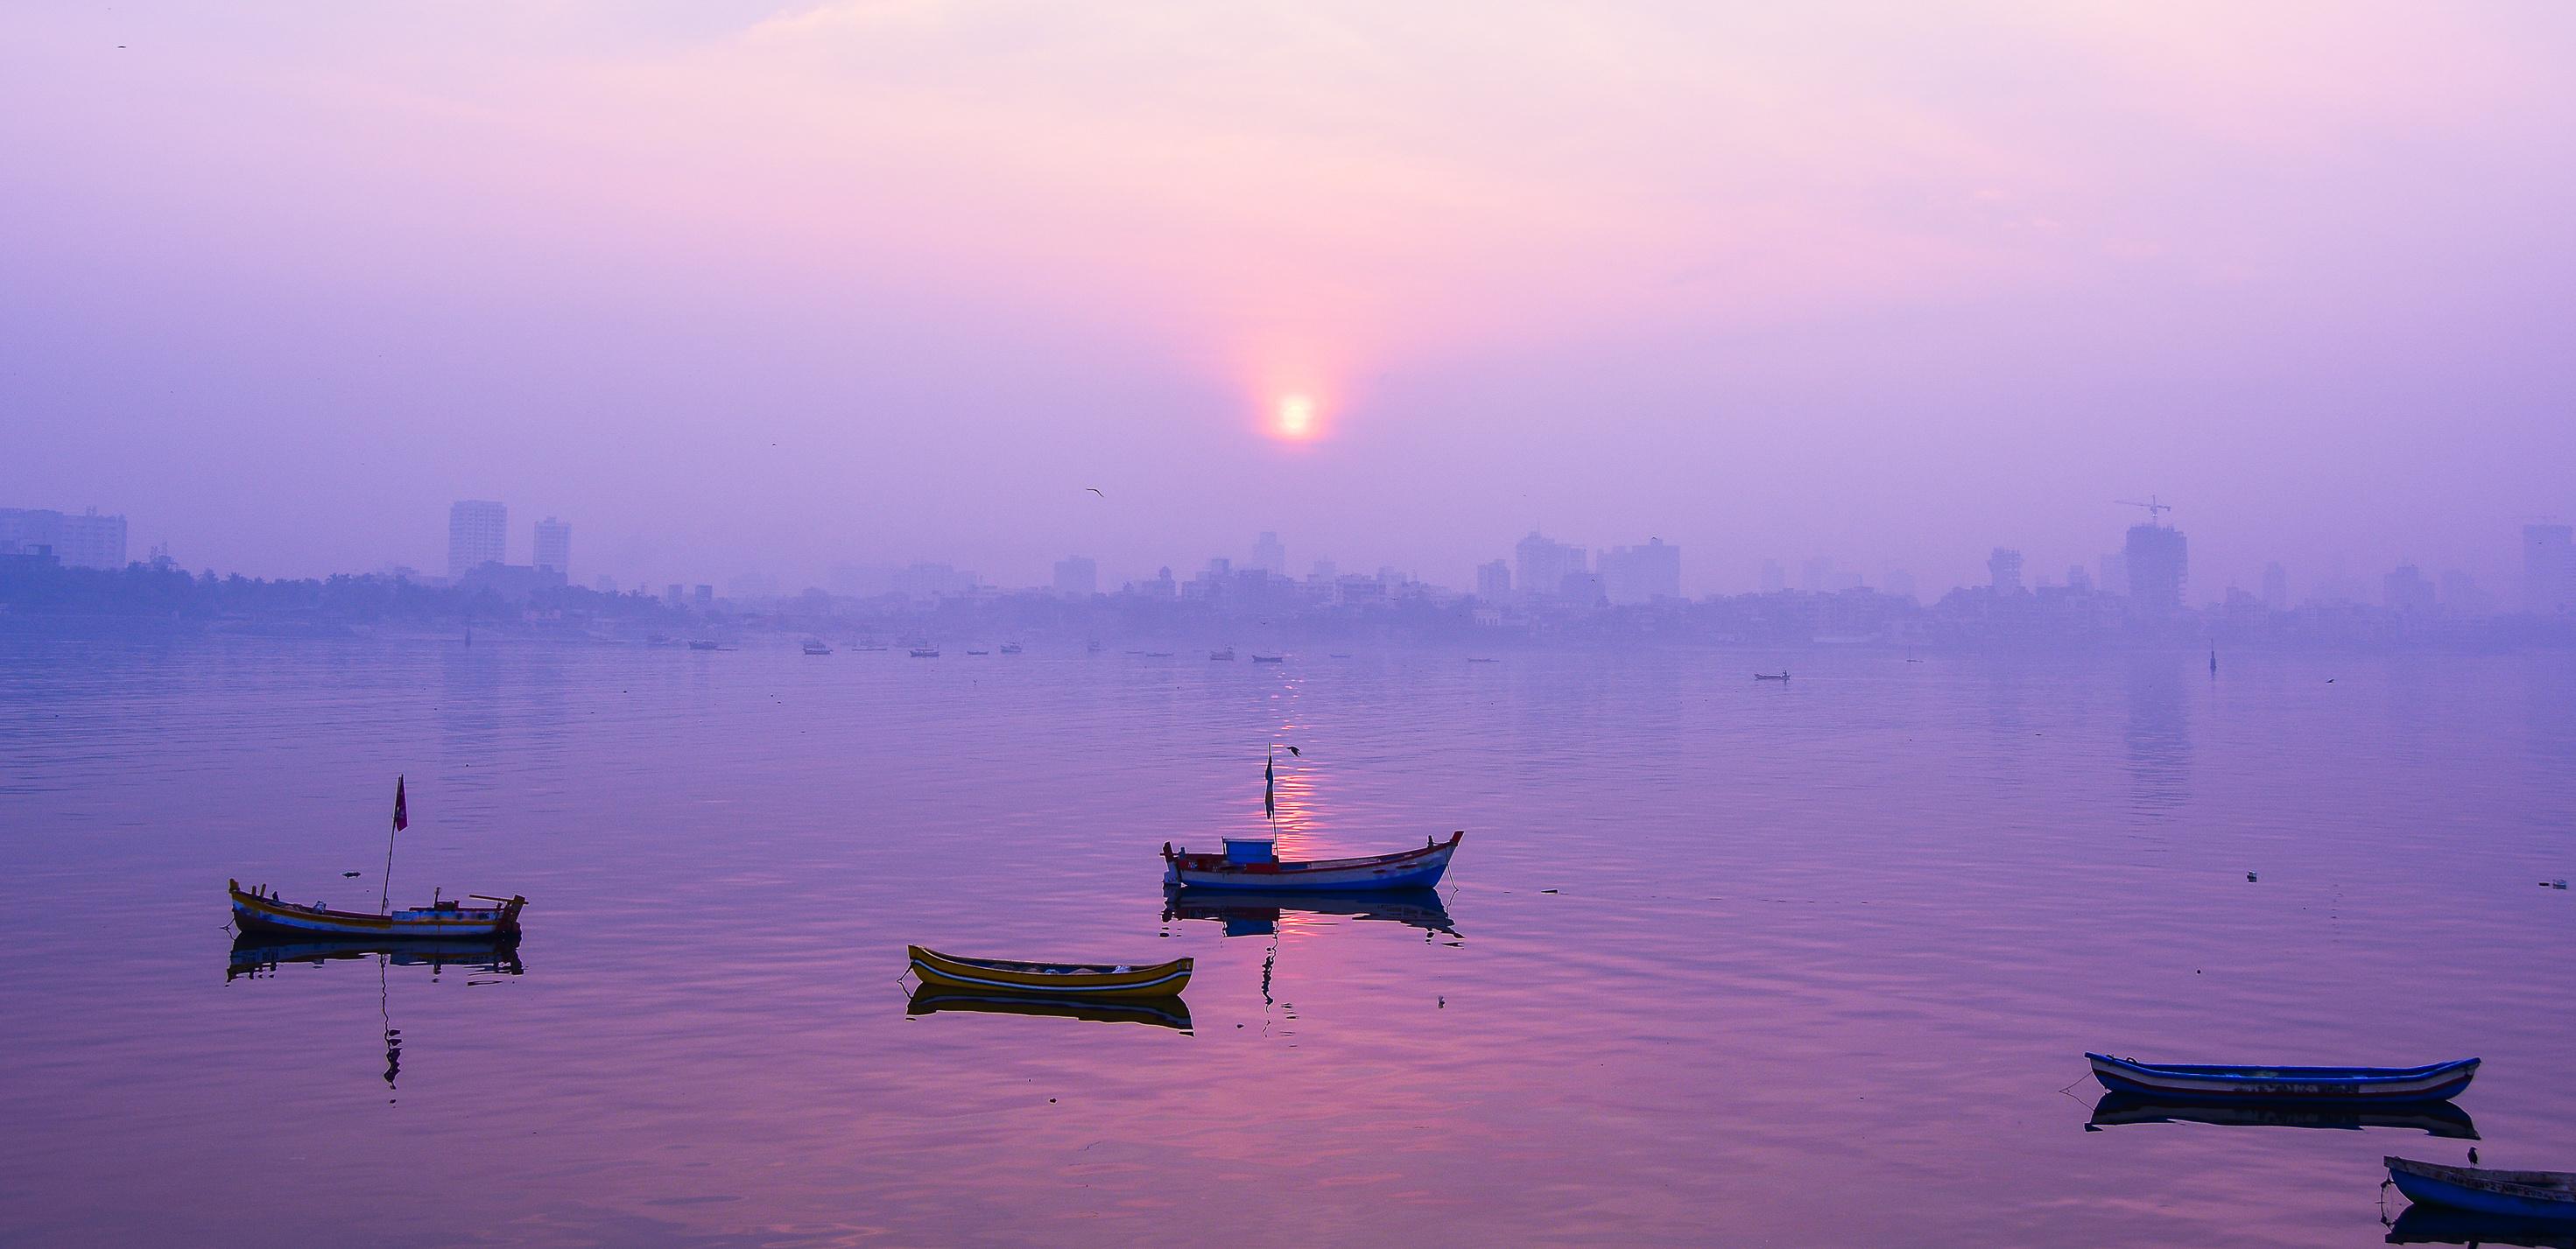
[(1071, 980)]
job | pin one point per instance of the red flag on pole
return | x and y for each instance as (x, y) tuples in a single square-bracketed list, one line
[(402, 813)]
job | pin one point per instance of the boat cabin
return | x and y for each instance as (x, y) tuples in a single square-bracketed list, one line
[(1241, 850)]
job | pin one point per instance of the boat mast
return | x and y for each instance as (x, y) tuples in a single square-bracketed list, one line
[(384, 897)]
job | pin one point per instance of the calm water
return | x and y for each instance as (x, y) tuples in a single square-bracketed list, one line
[(1721, 963)]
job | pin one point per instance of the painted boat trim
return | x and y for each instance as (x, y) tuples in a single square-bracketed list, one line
[(254, 913), (2431, 1082), (1091, 980)]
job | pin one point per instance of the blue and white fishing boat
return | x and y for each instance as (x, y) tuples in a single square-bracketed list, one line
[(1253, 863), (2183, 1082), (2548, 1196)]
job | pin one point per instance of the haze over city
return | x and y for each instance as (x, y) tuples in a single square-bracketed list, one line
[(771, 289)]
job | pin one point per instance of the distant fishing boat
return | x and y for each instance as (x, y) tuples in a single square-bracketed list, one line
[(261, 910), (2173, 1082), (815, 646), (1339, 655), (1093, 647), (925, 652), (1254, 863), (1225, 654), (701, 644), (1158, 654), (1159, 1012), (972, 651), (1269, 659), (1071, 980), (2548, 1196), (2442, 1119), (1771, 676), (1010, 648)]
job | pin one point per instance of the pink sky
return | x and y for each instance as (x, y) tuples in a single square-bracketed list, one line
[(739, 288)]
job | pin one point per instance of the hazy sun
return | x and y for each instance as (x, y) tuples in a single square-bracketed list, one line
[(1296, 417)]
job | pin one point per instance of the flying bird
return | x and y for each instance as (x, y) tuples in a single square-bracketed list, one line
[(1294, 751), (1095, 490)]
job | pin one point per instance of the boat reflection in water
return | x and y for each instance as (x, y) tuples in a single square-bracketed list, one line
[(1161, 1012), (258, 956), (2435, 1225), (1247, 913), (2430, 1118)]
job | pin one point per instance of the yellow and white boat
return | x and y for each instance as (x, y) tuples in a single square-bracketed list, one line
[(1057, 980)]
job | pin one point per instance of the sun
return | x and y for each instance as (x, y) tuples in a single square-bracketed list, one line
[(1295, 420)]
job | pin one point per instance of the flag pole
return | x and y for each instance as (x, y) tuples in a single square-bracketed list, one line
[(384, 898)]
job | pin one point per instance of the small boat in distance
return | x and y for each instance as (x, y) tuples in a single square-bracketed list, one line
[(925, 652), (2539, 1195), (1781, 675), (1093, 647), (1268, 659), (1062, 980), (1010, 648), (2182, 1082), (1254, 863), (261, 910), (815, 646), (701, 644), (1224, 655), (972, 651)]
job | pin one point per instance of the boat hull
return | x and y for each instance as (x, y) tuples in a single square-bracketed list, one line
[(1410, 869), (1085, 981), (2539, 1195), (2166, 1082), (254, 913)]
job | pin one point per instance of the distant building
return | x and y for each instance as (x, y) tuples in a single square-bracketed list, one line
[(88, 540), (2276, 586), (2158, 562), (1542, 564), (2003, 569), (1269, 554), (478, 533), (515, 582), (554, 545), (1077, 576), (1641, 574), (706, 595), (2463, 597), (2115, 573), (672, 594), (1325, 572), (2548, 569), (1494, 581), (2077, 579), (2406, 590)]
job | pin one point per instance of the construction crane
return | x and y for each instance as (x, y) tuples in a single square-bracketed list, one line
[(2156, 508)]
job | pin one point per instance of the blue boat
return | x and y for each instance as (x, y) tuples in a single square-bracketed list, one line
[(2185, 1082), (2548, 1196), (1253, 863)]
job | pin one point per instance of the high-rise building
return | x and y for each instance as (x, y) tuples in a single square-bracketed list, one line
[(2407, 589), (554, 546), (1077, 576), (1542, 564), (1641, 574), (2003, 570), (1494, 581), (2548, 568), (2158, 561), (478, 533), (1269, 554), (88, 540)]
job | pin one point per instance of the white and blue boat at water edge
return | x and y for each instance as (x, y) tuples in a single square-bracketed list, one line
[(2546, 1196), (1253, 863), (2184, 1082)]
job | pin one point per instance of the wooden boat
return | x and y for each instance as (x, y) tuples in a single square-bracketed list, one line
[(1251, 913), (1159, 1012), (1224, 655), (972, 651), (817, 648), (701, 644), (2173, 1082), (1253, 863), (2539, 1195), (261, 910), (1011, 648), (2441, 1225), (1075, 980), (1269, 659), (925, 652), (2441, 1119), (1771, 676)]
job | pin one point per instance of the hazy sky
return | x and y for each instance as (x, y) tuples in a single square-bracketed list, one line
[(740, 287)]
